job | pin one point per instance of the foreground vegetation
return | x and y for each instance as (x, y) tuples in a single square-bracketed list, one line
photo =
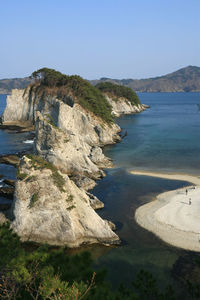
[(41, 272), (51, 82), (119, 91)]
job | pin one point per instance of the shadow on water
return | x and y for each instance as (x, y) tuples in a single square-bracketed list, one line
[(165, 138), (122, 193)]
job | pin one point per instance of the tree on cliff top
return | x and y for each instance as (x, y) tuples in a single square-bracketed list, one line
[(89, 97), (119, 91)]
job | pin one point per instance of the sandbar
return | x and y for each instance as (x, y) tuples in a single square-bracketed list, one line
[(173, 216)]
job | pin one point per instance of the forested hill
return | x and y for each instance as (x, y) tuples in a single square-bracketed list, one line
[(6, 85), (184, 80)]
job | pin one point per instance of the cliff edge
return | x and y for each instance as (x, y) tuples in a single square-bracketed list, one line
[(72, 121)]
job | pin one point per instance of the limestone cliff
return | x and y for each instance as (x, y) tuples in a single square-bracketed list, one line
[(50, 208), (51, 202), (122, 106)]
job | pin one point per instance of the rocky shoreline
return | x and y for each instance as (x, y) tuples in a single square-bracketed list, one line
[(51, 200)]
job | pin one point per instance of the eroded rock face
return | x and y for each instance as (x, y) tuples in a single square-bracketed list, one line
[(72, 143), (68, 138), (122, 106), (58, 215)]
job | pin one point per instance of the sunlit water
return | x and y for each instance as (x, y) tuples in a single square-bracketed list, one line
[(165, 137)]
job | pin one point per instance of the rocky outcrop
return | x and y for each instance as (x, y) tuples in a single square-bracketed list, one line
[(51, 202), (59, 214), (123, 106), (3, 218), (9, 160)]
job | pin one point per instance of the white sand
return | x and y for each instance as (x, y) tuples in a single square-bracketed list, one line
[(170, 216)]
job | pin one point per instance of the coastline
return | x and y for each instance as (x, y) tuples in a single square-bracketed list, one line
[(170, 216), (172, 176)]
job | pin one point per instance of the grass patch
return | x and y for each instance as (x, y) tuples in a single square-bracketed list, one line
[(31, 178), (70, 198), (20, 175), (39, 163), (34, 199), (71, 207), (51, 121)]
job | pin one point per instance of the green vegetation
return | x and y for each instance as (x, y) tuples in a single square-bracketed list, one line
[(34, 199), (31, 178), (71, 207), (21, 176), (52, 82), (39, 163), (119, 91), (45, 273), (70, 198), (51, 121)]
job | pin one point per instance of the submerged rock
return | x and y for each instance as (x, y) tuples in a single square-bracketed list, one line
[(10, 160), (3, 218), (7, 192)]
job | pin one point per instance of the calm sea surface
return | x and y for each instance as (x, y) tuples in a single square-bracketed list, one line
[(10, 143), (165, 137)]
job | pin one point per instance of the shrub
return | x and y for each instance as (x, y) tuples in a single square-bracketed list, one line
[(21, 176), (52, 82), (39, 163), (70, 198), (34, 199), (119, 91), (71, 207)]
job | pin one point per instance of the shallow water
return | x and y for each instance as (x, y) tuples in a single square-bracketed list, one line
[(163, 138)]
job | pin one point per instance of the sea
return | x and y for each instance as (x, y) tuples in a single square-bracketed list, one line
[(164, 138)]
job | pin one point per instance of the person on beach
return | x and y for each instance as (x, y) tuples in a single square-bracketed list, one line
[(190, 202), (186, 191)]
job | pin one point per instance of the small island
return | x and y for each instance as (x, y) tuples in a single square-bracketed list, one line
[(72, 121)]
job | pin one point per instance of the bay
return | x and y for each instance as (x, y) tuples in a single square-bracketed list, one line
[(165, 137)]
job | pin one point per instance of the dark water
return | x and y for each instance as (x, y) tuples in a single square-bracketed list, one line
[(10, 143), (165, 137)]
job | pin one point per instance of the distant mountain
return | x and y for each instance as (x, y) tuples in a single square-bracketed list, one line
[(6, 85), (184, 80)]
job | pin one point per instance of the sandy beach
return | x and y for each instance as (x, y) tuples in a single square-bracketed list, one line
[(171, 216)]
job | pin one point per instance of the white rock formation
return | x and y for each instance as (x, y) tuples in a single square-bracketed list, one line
[(123, 106), (47, 213), (69, 138)]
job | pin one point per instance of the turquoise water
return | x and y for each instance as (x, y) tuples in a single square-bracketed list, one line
[(165, 137)]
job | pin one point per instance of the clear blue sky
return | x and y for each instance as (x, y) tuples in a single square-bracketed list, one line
[(99, 38)]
